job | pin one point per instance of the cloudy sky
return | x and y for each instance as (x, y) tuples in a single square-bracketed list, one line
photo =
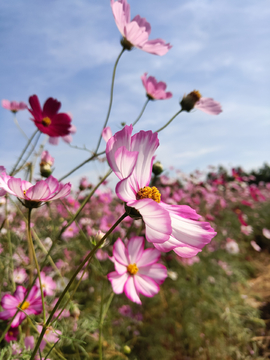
[(66, 49)]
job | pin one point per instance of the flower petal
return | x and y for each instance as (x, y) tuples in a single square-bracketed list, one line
[(146, 286), (14, 186), (117, 281), (120, 252), (135, 249), (157, 272), (39, 192), (149, 257), (209, 106), (131, 291)]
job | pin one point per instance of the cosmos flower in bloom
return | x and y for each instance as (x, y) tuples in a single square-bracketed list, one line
[(136, 270), (195, 100), (33, 195), (32, 305), (155, 90), (48, 120), (13, 106), (168, 227), (136, 32)]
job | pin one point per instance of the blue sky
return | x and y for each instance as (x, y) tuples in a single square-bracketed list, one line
[(67, 49)]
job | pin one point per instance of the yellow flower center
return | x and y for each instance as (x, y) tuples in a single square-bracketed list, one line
[(46, 121), (195, 94), (132, 269), (25, 305), (148, 192)]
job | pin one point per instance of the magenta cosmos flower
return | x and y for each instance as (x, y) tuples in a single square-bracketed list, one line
[(48, 120), (13, 106), (31, 306), (168, 227), (136, 270), (155, 90), (136, 32), (33, 195), (195, 100)]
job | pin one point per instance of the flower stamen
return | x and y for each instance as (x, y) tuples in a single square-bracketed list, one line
[(132, 269), (46, 121), (24, 305), (148, 192)]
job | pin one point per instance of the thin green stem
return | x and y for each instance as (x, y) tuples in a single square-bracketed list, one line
[(36, 262), (86, 260), (23, 152), (111, 97), (80, 165), (142, 111), (11, 266), (20, 129), (168, 123), (100, 322)]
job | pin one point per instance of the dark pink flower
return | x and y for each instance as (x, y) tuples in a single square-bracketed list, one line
[(31, 306), (155, 90), (136, 32), (136, 270), (48, 120), (168, 227), (33, 195), (13, 106), (66, 138), (12, 335)]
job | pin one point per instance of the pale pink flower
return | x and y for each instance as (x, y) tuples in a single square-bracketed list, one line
[(168, 227), (231, 246), (48, 285), (13, 106), (34, 195), (247, 230), (255, 246), (46, 158), (195, 100), (19, 275), (266, 233), (51, 335), (136, 32), (137, 271), (10, 303), (155, 90)]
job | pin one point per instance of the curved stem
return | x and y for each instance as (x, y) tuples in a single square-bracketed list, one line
[(36, 262), (168, 123), (83, 163), (23, 152), (111, 97), (18, 126), (86, 260), (138, 118)]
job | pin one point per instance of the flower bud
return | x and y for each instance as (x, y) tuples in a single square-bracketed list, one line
[(45, 165), (126, 349), (188, 102), (157, 168)]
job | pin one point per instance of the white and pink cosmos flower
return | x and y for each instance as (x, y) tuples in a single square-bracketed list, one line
[(33, 195), (10, 303), (155, 90), (136, 32), (195, 100), (13, 106), (168, 227), (136, 270)]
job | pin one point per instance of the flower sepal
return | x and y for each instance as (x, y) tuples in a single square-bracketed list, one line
[(132, 212)]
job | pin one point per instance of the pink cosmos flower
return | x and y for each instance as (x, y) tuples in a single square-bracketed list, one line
[(136, 270), (48, 285), (12, 335), (155, 90), (32, 305), (33, 195), (19, 275), (195, 100), (48, 120), (266, 233), (255, 246), (136, 32), (13, 106), (168, 227), (46, 158)]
